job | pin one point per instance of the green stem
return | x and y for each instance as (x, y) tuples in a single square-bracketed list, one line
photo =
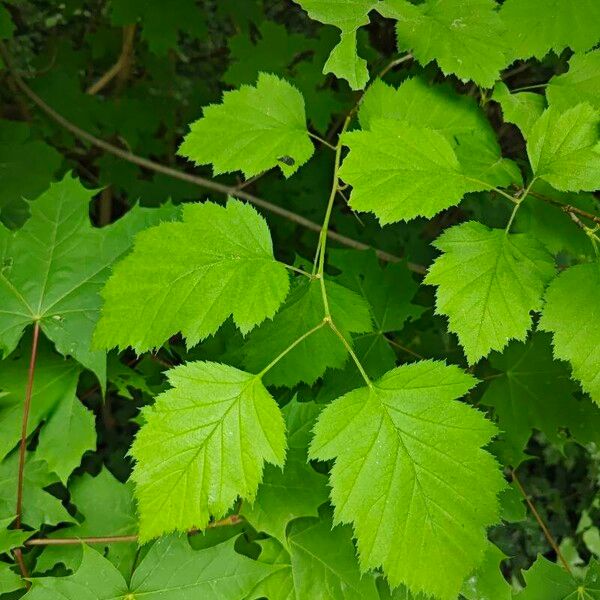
[(291, 347), (350, 351), (297, 270), (518, 202), (321, 140)]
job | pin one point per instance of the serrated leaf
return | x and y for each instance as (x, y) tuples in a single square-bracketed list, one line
[(465, 37), (11, 538), (564, 148), (253, 130), (580, 84), (57, 263), (303, 311), (9, 580), (522, 109), (411, 475), (533, 391), (190, 276), (204, 443), (572, 314), (488, 282), (487, 581), (348, 16), (399, 171), (534, 27)]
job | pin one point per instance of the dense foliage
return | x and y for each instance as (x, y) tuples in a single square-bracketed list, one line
[(300, 300)]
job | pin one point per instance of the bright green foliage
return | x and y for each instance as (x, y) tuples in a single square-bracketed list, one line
[(204, 443), (564, 148), (190, 276), (533, 391), (462, 36), (574, 320), (9, 580), (11, 538), (408, 465), (39, 282), (488, 282), (487, 581), (549, 581), (534, 27), (169, 571), (580, 84), (522, 109), (323, 349), (253, 130), (399, 171), (348, 16)]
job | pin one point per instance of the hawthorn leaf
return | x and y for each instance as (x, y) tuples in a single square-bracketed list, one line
[(458, 118), (488, 581), (347, 16), (572, 314), (253, 130), (11, 538), (409, 465), (564, 148), (581, 83), (464, 37), (39, 506), (488, 282), (204, 443), (57, 263), (534, 27), (190, 276), (9, 580), (522, 109), (303, 311), (533, 391), (55, 382), (398, 171)]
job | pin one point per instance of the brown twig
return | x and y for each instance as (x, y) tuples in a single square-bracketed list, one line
[(111, 539), (549, 537), (121, 66), (193, 179), (568, 208)]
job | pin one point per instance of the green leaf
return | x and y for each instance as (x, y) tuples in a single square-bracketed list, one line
[(549, 581), (303, 311), (488, 282), (534, 27), (572, 314), (11, 538), (190, 276), (253, 130), (465, 37), (347, 16), (9, 580), (409, 466), (6, 25), (204, 443), (55, 383), (522, 109), (458, 118), (398, 171), (580, 84), (39, 507), (533, 391), (564, 148), (488, 581), (57, 264)]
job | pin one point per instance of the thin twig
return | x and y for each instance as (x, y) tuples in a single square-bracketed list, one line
[(404, 348), (541, 523), (193, 179), (568, 208), (111, 539)]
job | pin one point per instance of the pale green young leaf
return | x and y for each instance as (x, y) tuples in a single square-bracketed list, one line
[(253, 130), (522, 109), (534, 27), (458, 118), (409, 465), (57, 264), (190, 276), (323, 349), (204, 443), (399, 171), (533, 391), (464, 37), (55, 382), (488, 282), (347, 16), (564, 148), (581, 83), (572, 314)]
